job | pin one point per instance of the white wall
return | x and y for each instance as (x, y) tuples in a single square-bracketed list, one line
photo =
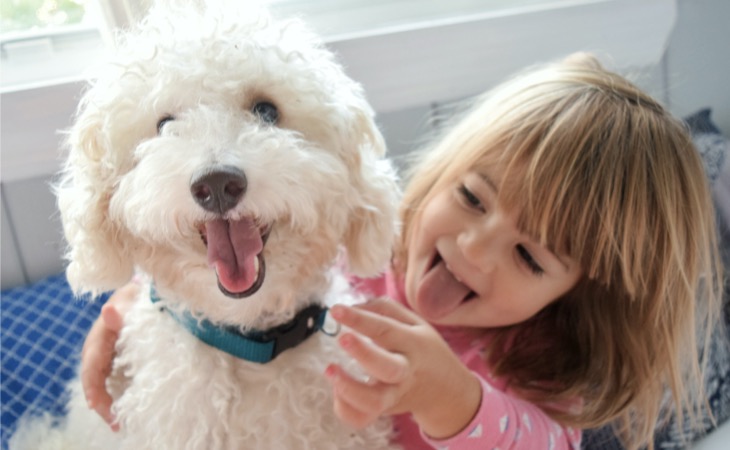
[(698, 60), (692, 73)]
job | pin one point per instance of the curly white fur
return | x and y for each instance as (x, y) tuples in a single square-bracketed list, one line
[(317, 177)]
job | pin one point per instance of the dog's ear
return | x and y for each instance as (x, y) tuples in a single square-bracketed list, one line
[(98, 259), (373, 224)]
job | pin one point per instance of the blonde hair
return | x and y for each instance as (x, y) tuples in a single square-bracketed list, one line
[(601, 172)]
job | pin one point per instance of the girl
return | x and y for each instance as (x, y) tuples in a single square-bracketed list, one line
[(556, 267)]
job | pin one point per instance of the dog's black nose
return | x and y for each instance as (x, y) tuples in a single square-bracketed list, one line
[(218, 189)]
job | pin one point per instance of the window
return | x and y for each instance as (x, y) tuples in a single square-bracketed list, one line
[(31, 15), (46, 39), (51, 41), (405, 53)]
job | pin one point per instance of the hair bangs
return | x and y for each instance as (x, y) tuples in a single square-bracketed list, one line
[(569, 193), (548, 207)]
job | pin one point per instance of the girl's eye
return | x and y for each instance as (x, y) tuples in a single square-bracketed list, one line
[(470, 199), (529, 261), (266, 112), (161, 123)]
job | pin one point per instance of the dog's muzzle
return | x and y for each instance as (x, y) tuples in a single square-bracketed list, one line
[(235, 246)]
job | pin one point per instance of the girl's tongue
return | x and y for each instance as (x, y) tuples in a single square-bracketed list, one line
[(439, 292)]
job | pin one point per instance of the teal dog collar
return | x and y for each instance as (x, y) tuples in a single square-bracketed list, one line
[(255, 346)]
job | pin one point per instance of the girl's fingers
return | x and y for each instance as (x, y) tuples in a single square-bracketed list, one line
[(381, 364), (389, 308), (96, 361), (384, 331), (360, 402), (98, 352), (350, 415), (119, 304), (112, 317)]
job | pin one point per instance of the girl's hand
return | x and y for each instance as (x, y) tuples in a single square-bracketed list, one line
[(98, 351), (410, 367)]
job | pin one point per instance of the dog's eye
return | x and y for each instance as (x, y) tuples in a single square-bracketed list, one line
[(266, 111), (162, 123)]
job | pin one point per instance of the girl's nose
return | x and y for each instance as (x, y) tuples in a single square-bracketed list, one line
[(480, 247)]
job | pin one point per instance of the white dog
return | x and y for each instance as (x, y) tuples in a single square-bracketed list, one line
[(228, 157)]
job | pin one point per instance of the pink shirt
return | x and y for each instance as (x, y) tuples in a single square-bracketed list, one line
[(503, 421)]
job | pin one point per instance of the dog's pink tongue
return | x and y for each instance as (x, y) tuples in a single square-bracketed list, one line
[(233, 247), (439, 292)]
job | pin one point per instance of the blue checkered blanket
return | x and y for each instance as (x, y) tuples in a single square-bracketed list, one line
[(43, 329)]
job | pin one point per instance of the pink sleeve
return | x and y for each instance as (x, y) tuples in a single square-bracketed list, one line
[(505, 422)]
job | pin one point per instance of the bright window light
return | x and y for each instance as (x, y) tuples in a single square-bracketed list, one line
[(44, 40), (38, 16), (50, 41)]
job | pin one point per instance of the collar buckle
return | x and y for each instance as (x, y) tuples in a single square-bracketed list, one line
[(307, 322)]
